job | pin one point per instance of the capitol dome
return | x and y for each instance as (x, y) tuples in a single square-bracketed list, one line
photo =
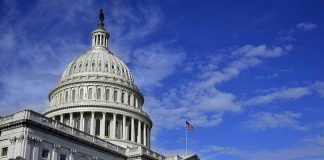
[(97, 94), (98, 61)]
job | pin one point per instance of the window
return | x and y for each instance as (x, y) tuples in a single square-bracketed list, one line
[(107, 128), (4, 151), (81, 93), (87, 125), (115, 96), (45, 154), (129, 98), (73, 95), (66, 96), (122, 97), (62, 157), (99, 93), (90, 93), (107, 94), (61, 98), (97, 131)]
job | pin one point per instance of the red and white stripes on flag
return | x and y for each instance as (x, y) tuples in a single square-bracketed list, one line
[(189, 126)]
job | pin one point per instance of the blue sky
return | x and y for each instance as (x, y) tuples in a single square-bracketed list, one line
[(247, 74)]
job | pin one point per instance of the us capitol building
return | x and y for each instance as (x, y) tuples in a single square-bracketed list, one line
[(95, 113)]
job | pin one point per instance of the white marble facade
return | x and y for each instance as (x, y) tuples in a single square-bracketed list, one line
[(95, 112)]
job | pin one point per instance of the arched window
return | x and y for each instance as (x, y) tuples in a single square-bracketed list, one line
[(106, 67), (129, 98), (99, 93), (66, 96), (122, 97), (93, 65), (73, 95), (90, 93), (56, 100), (99, 65), (61, 97), (81, 94), (107, 94), (115, 96)]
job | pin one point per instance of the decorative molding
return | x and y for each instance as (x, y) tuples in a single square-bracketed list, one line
[(56, 147), (73, 152)]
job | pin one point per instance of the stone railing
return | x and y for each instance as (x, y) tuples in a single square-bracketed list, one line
[(142, 150), (39, 118)]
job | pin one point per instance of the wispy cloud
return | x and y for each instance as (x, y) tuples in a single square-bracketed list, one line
[(266, 120), (307, 149), (199, 99), (306, 26), (282, 94), (154, 63), (33, 62), (285, 93)]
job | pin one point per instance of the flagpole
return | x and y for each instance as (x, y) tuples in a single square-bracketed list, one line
[(186, 142)]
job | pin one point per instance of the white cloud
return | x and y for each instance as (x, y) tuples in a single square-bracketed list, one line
[(318, 87), (282, 94), (245, 57), (311, 148), (267, 120), (154, 63), (199, 99), (306, 26), (34, 67)]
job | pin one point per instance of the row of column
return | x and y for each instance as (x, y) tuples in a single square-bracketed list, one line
[(119, 126), (99, 40)]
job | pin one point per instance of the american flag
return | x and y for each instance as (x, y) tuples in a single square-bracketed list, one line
[(189, 126)]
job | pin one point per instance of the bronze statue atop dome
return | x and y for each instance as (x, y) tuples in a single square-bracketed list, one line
[(101, 23)]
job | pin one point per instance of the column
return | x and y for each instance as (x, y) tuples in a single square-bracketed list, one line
[(124, 127), (77, 92), (56, 148), (71, 119), (148, 137), (72, 154), (92, 123), (133, 131), (113, 126), (111, 91), (36, 152), (126, 97), (144, 134), (119, 96), (62, 116), (81, 121), (103, 125), (139, 132)]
